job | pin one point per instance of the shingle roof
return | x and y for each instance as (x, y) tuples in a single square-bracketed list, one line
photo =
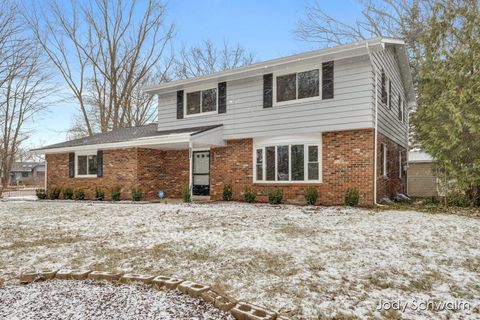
[(25, 166), (124, 134)]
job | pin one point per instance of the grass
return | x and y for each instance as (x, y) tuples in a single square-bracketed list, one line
[(315, 263)]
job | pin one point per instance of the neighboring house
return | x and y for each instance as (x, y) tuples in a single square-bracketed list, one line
[(32, 173), (305, 120), (421, 180)]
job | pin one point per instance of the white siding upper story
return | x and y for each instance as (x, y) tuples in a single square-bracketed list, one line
[(352, 107)]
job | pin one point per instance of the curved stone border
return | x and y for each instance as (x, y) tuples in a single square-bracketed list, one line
[(240, 310)]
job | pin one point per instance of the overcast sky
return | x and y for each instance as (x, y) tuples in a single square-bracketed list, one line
[(262, 27)]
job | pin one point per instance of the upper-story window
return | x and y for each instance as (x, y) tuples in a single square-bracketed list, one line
[(305, 84), (201, 101)]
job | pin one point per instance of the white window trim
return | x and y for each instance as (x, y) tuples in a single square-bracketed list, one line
[(400, 169), (195, 89), (384, 160), (84, 153), (296, 71), (287, 142)]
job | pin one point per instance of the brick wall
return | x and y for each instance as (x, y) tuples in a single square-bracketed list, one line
[(149, 170), (389, 185), (346, 163)]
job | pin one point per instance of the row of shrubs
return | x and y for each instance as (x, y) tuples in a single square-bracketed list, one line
[(275, 196), (79, 194)]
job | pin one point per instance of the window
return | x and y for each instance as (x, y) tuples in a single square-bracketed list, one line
[(400, 108), (288, 163), (389, 93), (312, 162), (86, 165), (24, 174), (298, 85), (383, 154), (400, 164), (282, 163), (287, 87), (308, 84), (327, 80), (384, 88), (298, 162), (270, 162), (259, 164), (201, 101)]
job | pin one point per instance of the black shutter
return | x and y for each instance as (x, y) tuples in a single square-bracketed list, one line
[(71, 165), (268, 90), (99, 163), (180, 104), (327, 80), (222, 97)]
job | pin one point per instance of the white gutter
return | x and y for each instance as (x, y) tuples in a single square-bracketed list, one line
[(141, 142), (375, 160)]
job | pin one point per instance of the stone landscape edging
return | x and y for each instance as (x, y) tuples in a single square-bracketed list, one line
[(240, 310)]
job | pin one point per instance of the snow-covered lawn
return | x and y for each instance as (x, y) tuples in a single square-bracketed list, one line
[(303, 262)]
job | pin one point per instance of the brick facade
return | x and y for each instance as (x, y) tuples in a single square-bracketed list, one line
[(149, 170), (391, 184), (347, 161)]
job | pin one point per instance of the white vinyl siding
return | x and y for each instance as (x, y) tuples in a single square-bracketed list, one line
[(351, 107), (389, 123)]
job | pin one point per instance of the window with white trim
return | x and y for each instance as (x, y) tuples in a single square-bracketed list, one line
[(287, 163), (400, 108), (384, 158), (86, 165), (400, 164), (201, 101)]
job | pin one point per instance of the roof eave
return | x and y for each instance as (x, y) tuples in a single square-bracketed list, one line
[(262, 67)]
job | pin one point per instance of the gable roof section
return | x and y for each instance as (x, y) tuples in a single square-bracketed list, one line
[(338, 52), (133, 134), (25, 166)]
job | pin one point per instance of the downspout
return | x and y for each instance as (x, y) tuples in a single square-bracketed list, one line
[(190, 175), (375, 160), (46, 172)]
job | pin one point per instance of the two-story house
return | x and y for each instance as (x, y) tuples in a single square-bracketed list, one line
[(334, 118)]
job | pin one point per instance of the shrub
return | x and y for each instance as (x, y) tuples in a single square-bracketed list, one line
[(99, 194), (249, 195), (116, 193), (41, 194), (351, 197), (79, 194), (136, 194), (54, 193), (227, 192), (275, 196), (311, 195), (186, 194), (457, 199), (67, 194)]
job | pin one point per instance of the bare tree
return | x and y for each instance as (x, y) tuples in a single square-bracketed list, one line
[(24, 89), (104, 50), (206, 59), (404, 19)]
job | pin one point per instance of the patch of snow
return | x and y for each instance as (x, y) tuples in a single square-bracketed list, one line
[(305, 262), (94, 300)]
